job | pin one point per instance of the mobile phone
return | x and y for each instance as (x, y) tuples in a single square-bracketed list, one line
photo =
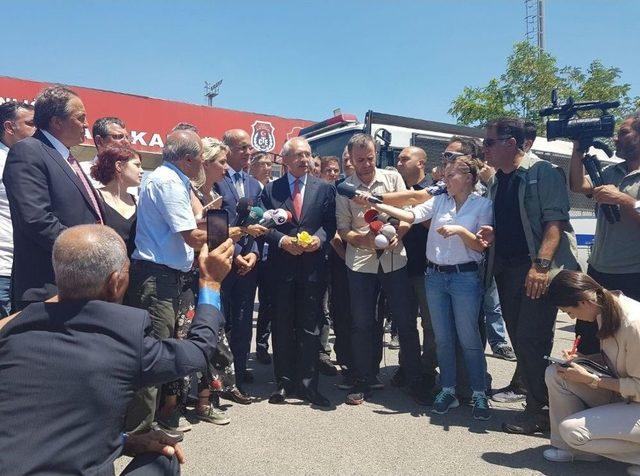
[(217, 228)]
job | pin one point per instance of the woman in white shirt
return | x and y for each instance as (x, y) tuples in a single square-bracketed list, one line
[(453, 283)]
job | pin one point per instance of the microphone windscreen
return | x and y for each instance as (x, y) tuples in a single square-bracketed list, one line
[(346, 189), (255, 215), (370, 215), (394, 222), (242, 209), (281, 216), (388, 231), (381, 241), (375, 226)]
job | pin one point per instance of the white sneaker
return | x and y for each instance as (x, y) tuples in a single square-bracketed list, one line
[(508, 396), (633, 470), (558, 455)]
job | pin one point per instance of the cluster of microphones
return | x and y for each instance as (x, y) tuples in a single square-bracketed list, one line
[(253, 215), (384, 229)]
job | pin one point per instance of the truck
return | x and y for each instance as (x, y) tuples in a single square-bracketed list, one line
[(393, 133)]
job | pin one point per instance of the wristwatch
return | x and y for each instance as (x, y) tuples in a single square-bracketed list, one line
[(543, 264), (594, 382)]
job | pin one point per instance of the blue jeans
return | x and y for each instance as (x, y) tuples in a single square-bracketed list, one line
[(494, 323), (454, 304), (5, 296)]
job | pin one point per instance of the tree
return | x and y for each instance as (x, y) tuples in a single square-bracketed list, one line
[(525, 88)]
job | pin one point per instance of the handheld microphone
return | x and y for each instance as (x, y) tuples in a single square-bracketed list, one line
[(388, 231), (255, 216), (277, 217), (381, 241), (375, 226), (370, 215), (242, 210), (349, 190)]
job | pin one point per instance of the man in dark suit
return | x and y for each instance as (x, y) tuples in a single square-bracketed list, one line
[(47, 191), (239, 289), (298, 272), (89, 355)]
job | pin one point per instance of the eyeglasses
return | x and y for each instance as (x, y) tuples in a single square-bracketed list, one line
[(450, 156), (488, 142)]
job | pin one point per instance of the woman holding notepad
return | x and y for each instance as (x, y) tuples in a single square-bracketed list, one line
[(596, 415)]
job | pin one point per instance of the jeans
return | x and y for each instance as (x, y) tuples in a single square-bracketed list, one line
[(494, 323), (5, 296), (454, 304), (367, 327)]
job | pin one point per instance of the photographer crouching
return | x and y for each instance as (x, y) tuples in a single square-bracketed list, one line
[(615, 258)]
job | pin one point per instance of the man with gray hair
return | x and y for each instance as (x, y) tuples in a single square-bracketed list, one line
[(48, 192), (88, 355), (166, 236)]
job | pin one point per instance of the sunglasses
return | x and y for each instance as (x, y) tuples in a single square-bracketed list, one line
[(488, 142), (449, 156)]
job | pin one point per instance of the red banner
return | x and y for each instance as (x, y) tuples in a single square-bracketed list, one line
[(148, 119)]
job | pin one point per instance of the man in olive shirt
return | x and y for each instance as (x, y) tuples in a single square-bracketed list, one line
[(533, 241), (615, 258)]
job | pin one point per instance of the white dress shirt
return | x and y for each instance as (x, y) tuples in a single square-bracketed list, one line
[(6, 229), (475, 212)]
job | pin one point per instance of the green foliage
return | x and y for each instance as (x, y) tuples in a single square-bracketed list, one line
[(525, 88)]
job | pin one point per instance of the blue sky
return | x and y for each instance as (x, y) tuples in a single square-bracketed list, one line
[(300, 58)]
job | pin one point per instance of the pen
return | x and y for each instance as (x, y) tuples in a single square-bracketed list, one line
[(576, 342)]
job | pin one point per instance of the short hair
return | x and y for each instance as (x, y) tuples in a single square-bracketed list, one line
[(82, 268), (325, 161), (101, 126), (286, 148), (180, 144), (212, 148), (184, 126), (468, 146), (530, 130), (260, 155), (635, 124), (230, 137), (104, 170), (508, 127), (360, 140), (9, 112), (52, 102)]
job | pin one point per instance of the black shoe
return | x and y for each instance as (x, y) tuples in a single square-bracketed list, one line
[(238, 396), (399, 379), (326, 367), (262, 356), (348, 380), (279, 396), (504, 352), (248, 376), (420, 391), (314, 398), (173, 435), (528, 424)]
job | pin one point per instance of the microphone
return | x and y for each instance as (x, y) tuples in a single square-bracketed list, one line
[(381, 241), (370, 215), (242, 209), (394, 222), (277, 217), (349, 190), (388, 231), (255, 216), (375, 226)]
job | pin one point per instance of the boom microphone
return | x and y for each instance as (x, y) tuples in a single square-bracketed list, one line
[(349, 190)]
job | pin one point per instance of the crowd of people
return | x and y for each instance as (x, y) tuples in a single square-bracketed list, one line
[(116, 307)]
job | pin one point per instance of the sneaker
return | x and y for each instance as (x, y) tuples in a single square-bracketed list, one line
[(357, 396), (376, 383), (213, 415), (558, 455), (443, 402), (508, 394), (176, 421), (481, 407), (504, 352), (394, 343)]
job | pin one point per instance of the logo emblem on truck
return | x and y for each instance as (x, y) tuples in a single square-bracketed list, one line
[(262, 136)]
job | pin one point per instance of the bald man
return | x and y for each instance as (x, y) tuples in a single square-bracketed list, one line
[(89, 355), (166, 236), (411, 164), (239, 289)]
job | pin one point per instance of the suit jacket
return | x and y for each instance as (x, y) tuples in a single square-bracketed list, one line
[(68, 372), (45, 198), (230, 200), (318, 218)]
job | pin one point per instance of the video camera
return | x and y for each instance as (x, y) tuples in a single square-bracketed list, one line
[(585, 131)]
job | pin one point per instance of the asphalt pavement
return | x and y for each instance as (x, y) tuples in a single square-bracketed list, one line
[(389, 434)]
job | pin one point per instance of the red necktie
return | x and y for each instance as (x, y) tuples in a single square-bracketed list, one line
[(297, 198), (76, 168)]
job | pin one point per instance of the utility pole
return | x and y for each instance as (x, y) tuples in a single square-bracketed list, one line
[(211, 91), (534, 21)]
